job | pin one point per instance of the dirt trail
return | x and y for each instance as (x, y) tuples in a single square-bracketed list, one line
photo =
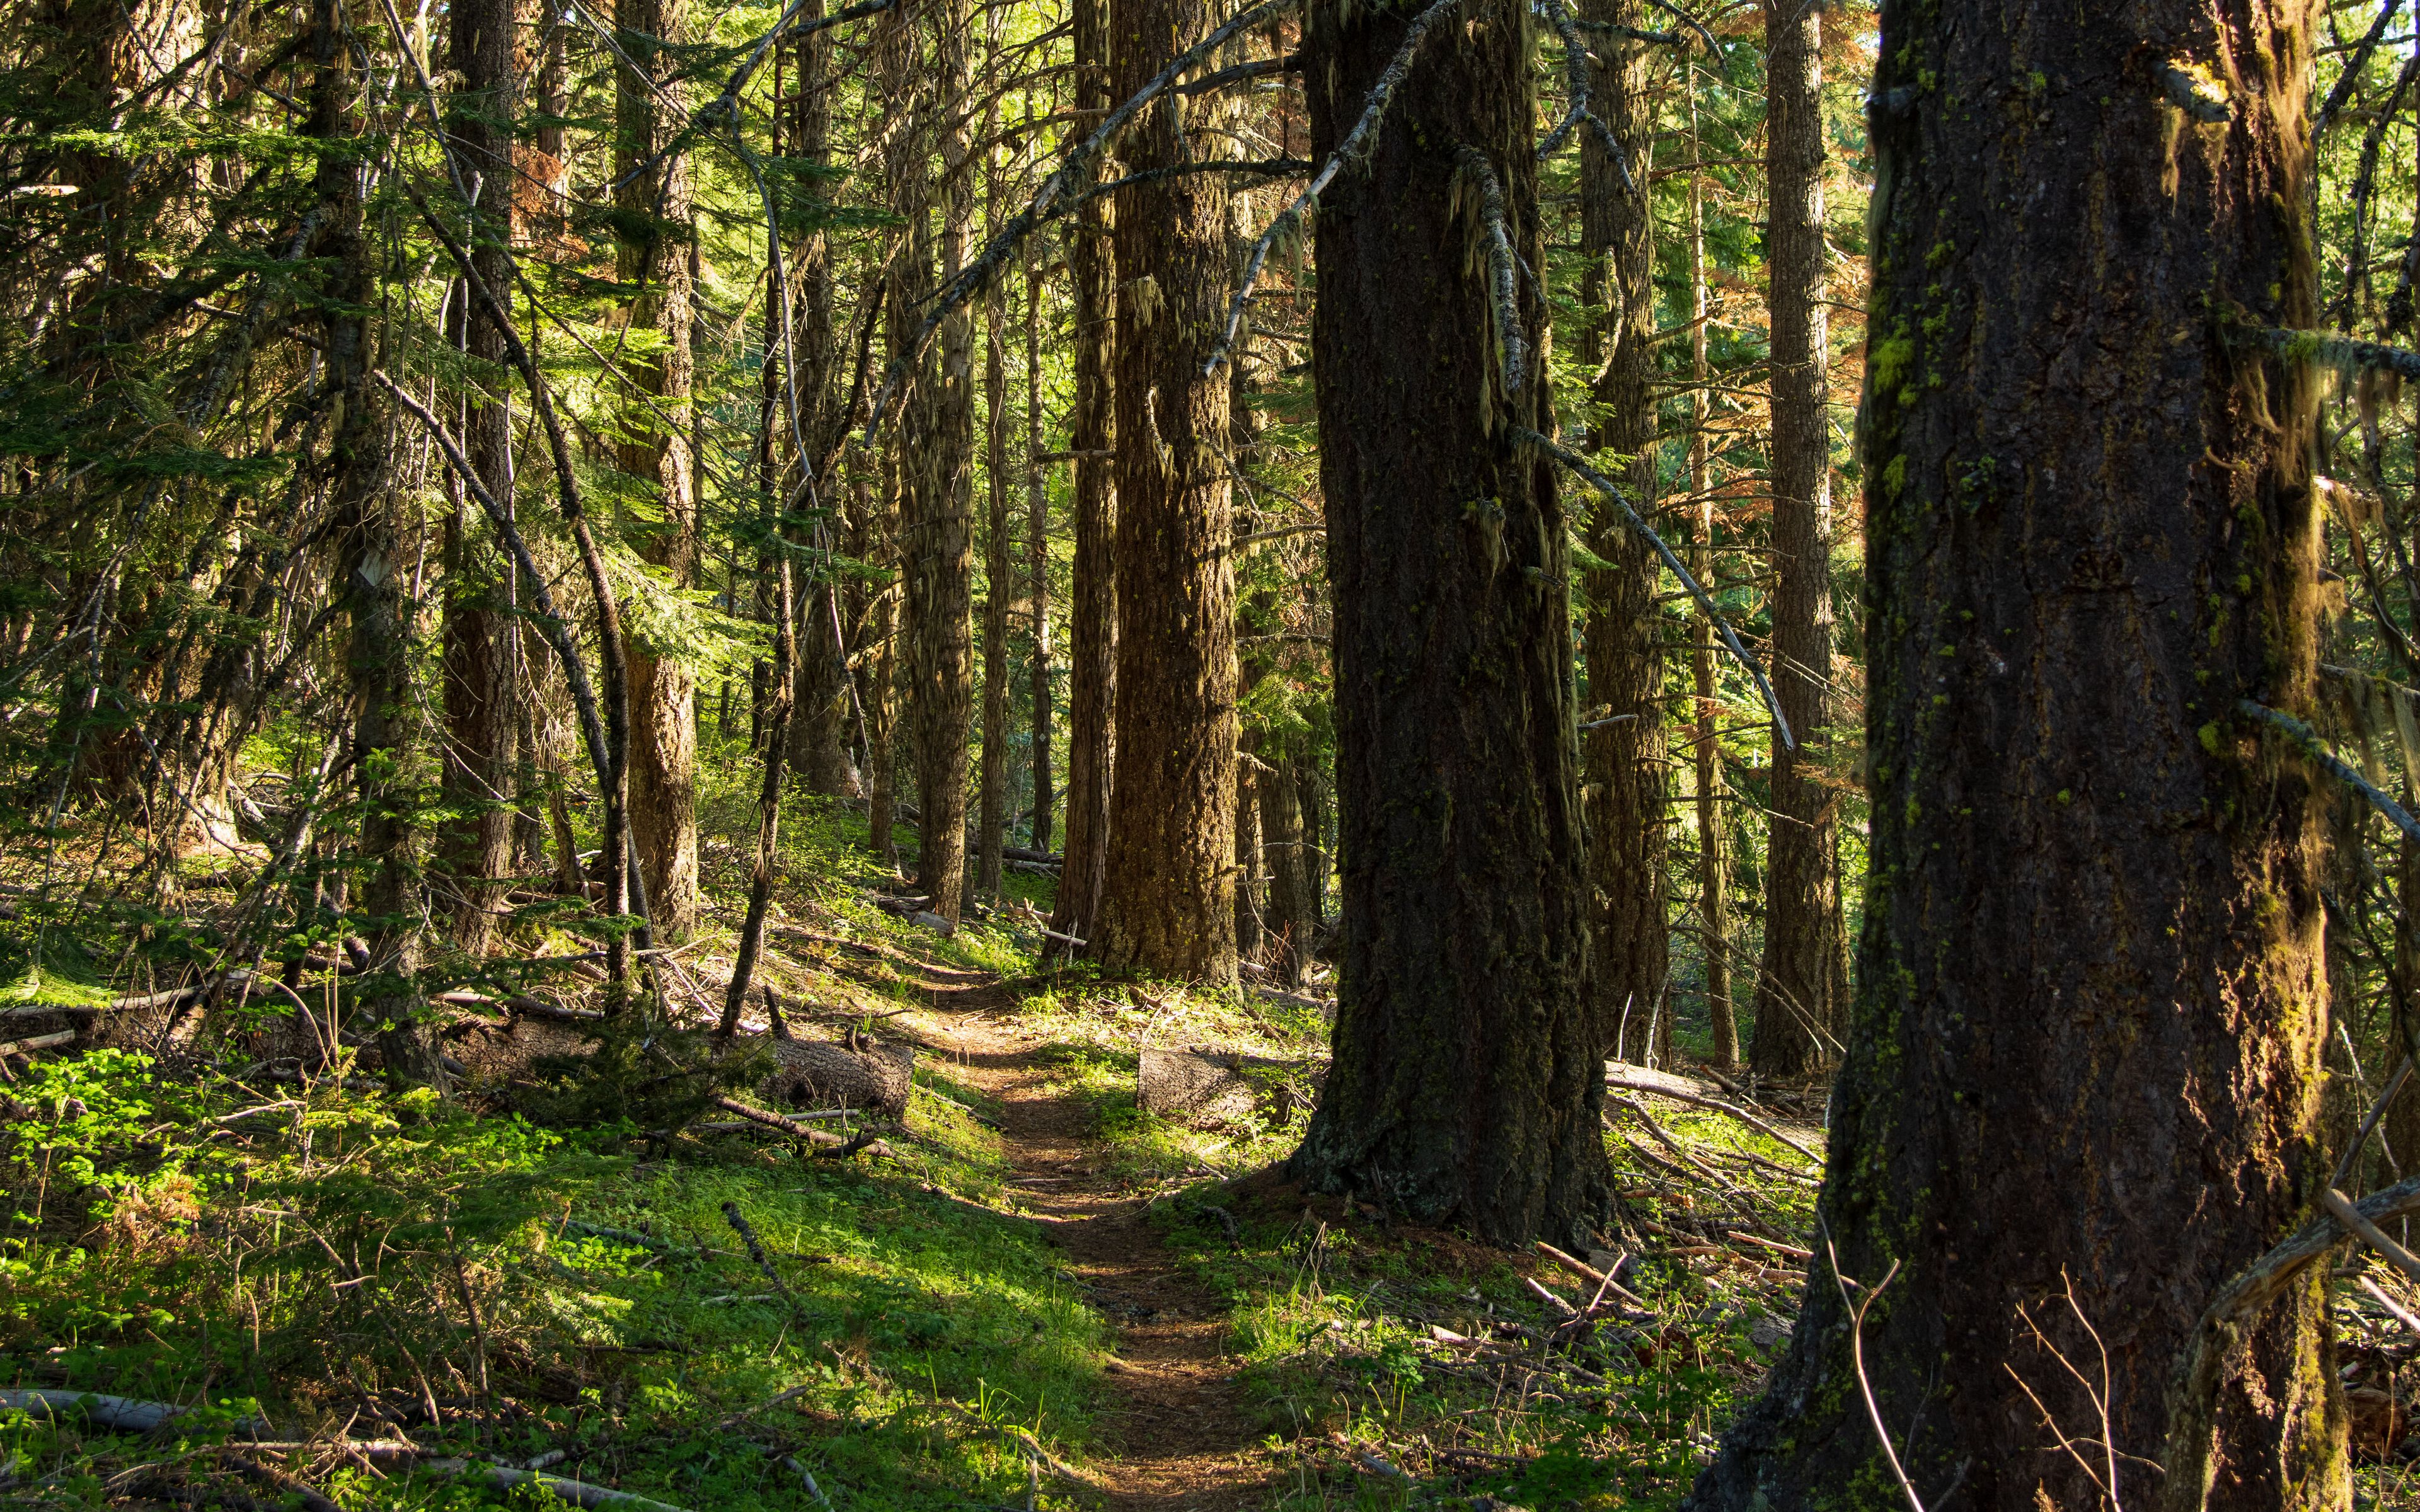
[(1178, 1437)]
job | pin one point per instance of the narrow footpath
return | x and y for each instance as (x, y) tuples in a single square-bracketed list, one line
[(1177, 1436)]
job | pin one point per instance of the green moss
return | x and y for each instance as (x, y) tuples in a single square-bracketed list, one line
[(2209, 734), (1894, 475)]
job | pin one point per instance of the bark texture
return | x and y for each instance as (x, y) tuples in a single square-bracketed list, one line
[(374, 562), (1467, 1086), (1168, 904), (1037, 556), (1625, 785), (1796, 1019), (1093, 610), (481, 642), (652, 251), (1713, 877), (2086, 1050)]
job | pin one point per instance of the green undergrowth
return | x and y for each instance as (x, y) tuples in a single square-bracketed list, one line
[(337, 1261), (1335, 1310)]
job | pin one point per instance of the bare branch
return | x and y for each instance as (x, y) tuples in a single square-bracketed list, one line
[(1503, 286), (1356, 143), (1706, 601)]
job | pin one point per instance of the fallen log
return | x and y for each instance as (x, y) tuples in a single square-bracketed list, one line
[(38, 1041), (874, 1075), (1193, 1088), (119, 1415), (535, 1007)]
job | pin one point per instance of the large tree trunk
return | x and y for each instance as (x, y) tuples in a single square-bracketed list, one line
[(876, 542), (1796, 1020), (374, 563), (481, 640), (1630, 955), (1714, 912), (1093, 610), (2084, 1056), (653, 252), (819, 724), (1168, 907), (935, 439), (1468, 1082)]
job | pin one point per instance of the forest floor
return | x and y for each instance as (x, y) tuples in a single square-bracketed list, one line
[(1035, 1296)]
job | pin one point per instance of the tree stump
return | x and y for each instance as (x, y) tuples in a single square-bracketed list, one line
[(1193, 1088)]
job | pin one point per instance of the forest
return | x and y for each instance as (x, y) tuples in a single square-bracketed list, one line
[(1192, 756)]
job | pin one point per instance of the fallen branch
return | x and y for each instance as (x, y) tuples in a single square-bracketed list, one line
[(799, 1130), (1580, 1267), (2340, 1208), (38, 1041), (1618, 1073), (579, 1493), (119, 1415)]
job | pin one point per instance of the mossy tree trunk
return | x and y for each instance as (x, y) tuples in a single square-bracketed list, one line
[(2085, 1048), (1466, 1086), (1796, 1019), (1624, 762), (1167, 902)]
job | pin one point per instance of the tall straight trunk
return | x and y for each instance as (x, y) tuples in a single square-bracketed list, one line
[(1288, 921), (374, 565), (992, 821), (482, 651), (1168, 906), (1093, 610), (1467, 1084), (1038, 555), (820, 720), (652, 251), (1251, 880), (1714, 910), (1318, 856), (936, 438), (1796, 1020), (2083, 1075), (1623, 755)]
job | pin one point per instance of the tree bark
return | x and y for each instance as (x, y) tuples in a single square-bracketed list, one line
[(992, 821), (652, 251), (1796, 1020), (1168, 906), (373, 563), (1289, 920), (820, 722), (482, 652), (1627, 798), (1092, 611), (2086, 1047), (1038, 555), (936, 440), (1714, 879), (1467, 1081)]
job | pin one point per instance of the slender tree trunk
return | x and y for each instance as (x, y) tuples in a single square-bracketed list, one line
[(1038, 555), (1000, 585), (1092, 612), (1318, 856), (1796, 1021), (1714, 911), (1251, 882), (482, 650), (1467, 1083), (1625, 753), (1289, 918), (374, 564), (653, 252), (2083, 1076), (878, 542), (1168, 907)]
